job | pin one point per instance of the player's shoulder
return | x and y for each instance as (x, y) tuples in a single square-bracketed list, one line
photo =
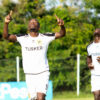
[(22, 35), (90, 45), (48, 34)]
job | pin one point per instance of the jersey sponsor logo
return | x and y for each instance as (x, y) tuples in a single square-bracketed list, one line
[(33, 48)]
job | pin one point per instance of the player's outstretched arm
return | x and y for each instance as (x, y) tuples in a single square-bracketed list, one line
[(62, 30), (89, 62), (7, 36)]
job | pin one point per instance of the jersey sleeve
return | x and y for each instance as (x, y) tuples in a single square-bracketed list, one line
[(88, 51), (19, 38), (50, 36)]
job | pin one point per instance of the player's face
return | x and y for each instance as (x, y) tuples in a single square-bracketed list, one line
[(33, 25), (97, 38)]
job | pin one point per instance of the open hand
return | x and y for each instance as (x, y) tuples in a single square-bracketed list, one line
[(8, 18), (60, 21)]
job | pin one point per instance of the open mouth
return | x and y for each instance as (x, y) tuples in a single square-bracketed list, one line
[(33, 30)]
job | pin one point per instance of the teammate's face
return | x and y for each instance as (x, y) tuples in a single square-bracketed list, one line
[(97, 35), (97, 38), (33, 25)]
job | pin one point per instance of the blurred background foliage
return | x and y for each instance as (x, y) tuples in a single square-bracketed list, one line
[(80, 22)]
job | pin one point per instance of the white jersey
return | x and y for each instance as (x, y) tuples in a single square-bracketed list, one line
[(34, 52), (94, 51)]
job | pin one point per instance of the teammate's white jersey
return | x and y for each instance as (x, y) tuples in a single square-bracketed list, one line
[(34, 52), (94, 51)]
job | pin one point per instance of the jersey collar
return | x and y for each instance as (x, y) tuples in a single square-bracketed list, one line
[(33, 37)]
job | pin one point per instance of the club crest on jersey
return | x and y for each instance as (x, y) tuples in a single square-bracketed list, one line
[(39, 42)]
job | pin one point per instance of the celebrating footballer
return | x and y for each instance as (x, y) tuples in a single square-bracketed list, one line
[(34, 47)]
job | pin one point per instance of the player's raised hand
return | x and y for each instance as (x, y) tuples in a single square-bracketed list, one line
[(8, 18), (60, 21)]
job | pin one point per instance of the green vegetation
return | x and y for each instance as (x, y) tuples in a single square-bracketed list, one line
[(72, 96), (75, 99), (79, 24)]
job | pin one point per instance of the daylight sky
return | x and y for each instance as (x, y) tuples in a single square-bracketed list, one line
[(56, 3)]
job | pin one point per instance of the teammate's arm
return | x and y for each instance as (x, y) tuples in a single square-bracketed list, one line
[(62, 30), (5, 31), (89, 62)]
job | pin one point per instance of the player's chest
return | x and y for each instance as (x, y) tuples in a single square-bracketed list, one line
[(95, 51), (34, 42)]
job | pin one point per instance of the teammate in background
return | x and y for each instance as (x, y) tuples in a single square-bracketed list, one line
[(34, 49), (93, 61)]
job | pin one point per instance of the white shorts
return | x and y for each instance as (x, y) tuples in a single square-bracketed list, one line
[(95, 82), (37, 83)]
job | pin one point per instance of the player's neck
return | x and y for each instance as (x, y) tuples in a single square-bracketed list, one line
[(34, 34)]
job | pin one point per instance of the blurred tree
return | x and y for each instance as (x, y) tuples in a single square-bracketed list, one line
[(30, 9), (6, 6), (94, 7), (62, 52)]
